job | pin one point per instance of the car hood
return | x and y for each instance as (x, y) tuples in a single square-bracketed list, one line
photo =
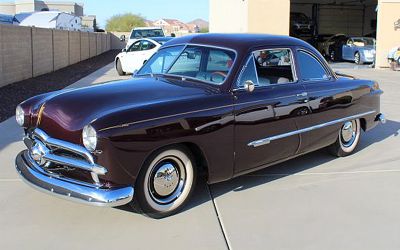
[(65, 113)]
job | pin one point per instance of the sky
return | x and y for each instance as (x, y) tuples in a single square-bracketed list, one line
[(184, 10)]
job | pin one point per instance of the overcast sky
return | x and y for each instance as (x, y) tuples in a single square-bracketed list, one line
[(185, 10)]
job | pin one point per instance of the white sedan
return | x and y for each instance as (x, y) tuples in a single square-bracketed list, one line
[(131, 59)]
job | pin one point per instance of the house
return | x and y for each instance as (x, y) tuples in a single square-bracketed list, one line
[(23, 6), (50, 20), (173, 26)]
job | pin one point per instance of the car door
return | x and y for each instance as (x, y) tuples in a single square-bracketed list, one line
[(129, 60), (348, 50), (329, 100), (265, 117)]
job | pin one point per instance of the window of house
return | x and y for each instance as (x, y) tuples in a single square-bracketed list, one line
[(310, 68)]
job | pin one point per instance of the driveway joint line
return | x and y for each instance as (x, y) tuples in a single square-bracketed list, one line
[(329, 173), (219, 218)]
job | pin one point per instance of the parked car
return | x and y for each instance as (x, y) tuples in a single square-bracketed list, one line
[(359, 50), (143, 32), (131, 59), (201, 103), (300, 23), (332, 47)]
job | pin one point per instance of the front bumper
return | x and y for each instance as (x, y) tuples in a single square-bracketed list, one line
[(69, 189)]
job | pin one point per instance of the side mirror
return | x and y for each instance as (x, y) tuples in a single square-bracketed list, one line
[(145, 61), (249, 86), (122, 38), (124, 50), (173, 35)]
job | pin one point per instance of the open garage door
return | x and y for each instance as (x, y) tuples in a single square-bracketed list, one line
[(341, 19)]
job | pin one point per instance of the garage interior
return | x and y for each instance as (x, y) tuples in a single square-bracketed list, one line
[(349, 17)]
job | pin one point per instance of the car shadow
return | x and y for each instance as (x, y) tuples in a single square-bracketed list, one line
[(294, 166)]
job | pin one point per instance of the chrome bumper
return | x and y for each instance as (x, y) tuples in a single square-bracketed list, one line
[(68, 189)]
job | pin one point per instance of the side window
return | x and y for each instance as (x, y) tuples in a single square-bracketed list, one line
[(134, 47), (249, 73), (310, 68), (146, 45)]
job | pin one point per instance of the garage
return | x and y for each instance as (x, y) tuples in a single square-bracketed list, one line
[(313, 20), (351, 17)]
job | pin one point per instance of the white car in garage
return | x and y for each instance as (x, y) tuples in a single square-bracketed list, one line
[(131, 59)]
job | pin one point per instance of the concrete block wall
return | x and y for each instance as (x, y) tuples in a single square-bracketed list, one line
[(92, 44), (16, 54), (27, 52), (61, 49), (84, 46), (42, 49), (74, 47)]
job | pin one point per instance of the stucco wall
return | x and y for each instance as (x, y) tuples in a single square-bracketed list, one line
[(250, 16), (42, 49), (269, 16), (28, 52), (227, 16), (387, 37)]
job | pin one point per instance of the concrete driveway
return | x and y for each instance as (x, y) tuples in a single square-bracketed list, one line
[(311, 202)]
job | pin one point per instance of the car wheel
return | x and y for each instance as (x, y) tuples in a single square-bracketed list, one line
[(119, 68), (348, 139), (357, 58), (165, 183)]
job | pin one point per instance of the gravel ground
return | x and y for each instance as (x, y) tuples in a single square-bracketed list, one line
[(12, 94)]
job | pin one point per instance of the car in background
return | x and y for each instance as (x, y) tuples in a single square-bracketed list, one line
[(359, 50), (331, 48), (300, 23), (132, 58), (143, 32)]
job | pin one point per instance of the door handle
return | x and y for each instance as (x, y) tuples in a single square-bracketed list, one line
[(304, 94)]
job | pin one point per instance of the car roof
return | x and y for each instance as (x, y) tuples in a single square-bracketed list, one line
[(238, 42)]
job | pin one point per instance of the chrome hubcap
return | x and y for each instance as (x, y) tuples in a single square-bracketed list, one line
[(348, 133), (167, 180)]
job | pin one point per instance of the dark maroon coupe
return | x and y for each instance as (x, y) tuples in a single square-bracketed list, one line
[(230, 104)]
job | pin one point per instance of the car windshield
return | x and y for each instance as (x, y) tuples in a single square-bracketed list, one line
[(363, 41), (147, 33), (207, 64)]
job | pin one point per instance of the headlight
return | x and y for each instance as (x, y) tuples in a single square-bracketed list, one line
[(20, 116), (89, 138)]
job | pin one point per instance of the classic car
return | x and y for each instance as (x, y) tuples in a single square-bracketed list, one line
[(131, 59), (300, 23), (201, 103), (359, 50)]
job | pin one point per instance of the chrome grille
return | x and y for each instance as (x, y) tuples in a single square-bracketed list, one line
[(50, 153)]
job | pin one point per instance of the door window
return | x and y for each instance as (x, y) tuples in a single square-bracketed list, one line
[(268, 67), (146, 45), (310, 68), (134, 47)]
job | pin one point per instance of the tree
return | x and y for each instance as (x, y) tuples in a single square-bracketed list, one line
[(125, 22), (204, 30)]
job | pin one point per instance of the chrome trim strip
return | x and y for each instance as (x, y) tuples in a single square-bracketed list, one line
[(74, 163), (63, 145), (71, 191), (268, 140)]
